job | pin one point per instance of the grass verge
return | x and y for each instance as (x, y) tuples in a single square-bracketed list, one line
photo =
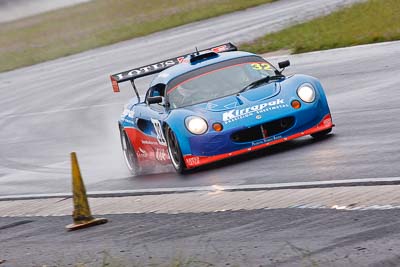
[(98, 23), (364, 23)]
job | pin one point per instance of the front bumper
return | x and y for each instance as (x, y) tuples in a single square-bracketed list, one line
[(193, 161)]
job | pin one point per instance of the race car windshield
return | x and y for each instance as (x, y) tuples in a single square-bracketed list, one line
[(216, 81)]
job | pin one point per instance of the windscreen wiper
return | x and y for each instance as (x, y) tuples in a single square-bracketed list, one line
[(257, 83)]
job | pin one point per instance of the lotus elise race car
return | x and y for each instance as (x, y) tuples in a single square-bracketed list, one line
[(215, 104)]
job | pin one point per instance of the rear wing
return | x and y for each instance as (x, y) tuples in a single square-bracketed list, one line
[(132, 74)]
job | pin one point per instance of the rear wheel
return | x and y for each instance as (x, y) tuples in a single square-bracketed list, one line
[(129, 153), (321, 134), (174, 151)]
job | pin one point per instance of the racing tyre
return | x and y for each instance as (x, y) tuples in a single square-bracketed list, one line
[(129, 154), (321, 134), (174, 151)]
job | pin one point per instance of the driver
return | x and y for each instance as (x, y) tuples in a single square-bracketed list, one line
[(180, 96)]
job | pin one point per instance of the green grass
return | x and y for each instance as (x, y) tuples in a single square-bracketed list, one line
[(369, 22), (99, 23)]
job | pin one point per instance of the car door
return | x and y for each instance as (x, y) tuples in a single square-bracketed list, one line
[(150, 123)]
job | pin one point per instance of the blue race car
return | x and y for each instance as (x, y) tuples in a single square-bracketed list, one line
[(215, 104)]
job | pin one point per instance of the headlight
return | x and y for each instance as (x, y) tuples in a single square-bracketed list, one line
[(196, 125), (306, 92)]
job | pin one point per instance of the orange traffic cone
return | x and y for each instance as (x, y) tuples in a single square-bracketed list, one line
[(82, 215)]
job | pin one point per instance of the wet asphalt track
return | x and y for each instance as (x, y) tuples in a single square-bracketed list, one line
[(51, 109), (282, 237)]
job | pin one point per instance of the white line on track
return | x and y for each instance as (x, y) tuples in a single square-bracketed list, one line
[(218, 188)]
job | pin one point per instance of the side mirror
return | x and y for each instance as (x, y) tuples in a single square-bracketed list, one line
[(284, 64), (154, 100)]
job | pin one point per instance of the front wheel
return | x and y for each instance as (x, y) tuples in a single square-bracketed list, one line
[(321, 134), (174, 151), (129, 154)]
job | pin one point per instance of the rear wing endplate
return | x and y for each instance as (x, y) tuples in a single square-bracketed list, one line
[(132, 74)]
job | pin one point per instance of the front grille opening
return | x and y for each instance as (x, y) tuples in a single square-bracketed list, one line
[(263, 130)]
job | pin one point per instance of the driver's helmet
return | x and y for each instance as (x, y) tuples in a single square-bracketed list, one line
[(184, 90)]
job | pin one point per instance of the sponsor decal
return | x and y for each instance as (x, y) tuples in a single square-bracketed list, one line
[(266, 140), (141, 153), (147, 69), (219, 49), (147, 142), (193, 161), (161, 155), (237, 114), (183, 60)]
